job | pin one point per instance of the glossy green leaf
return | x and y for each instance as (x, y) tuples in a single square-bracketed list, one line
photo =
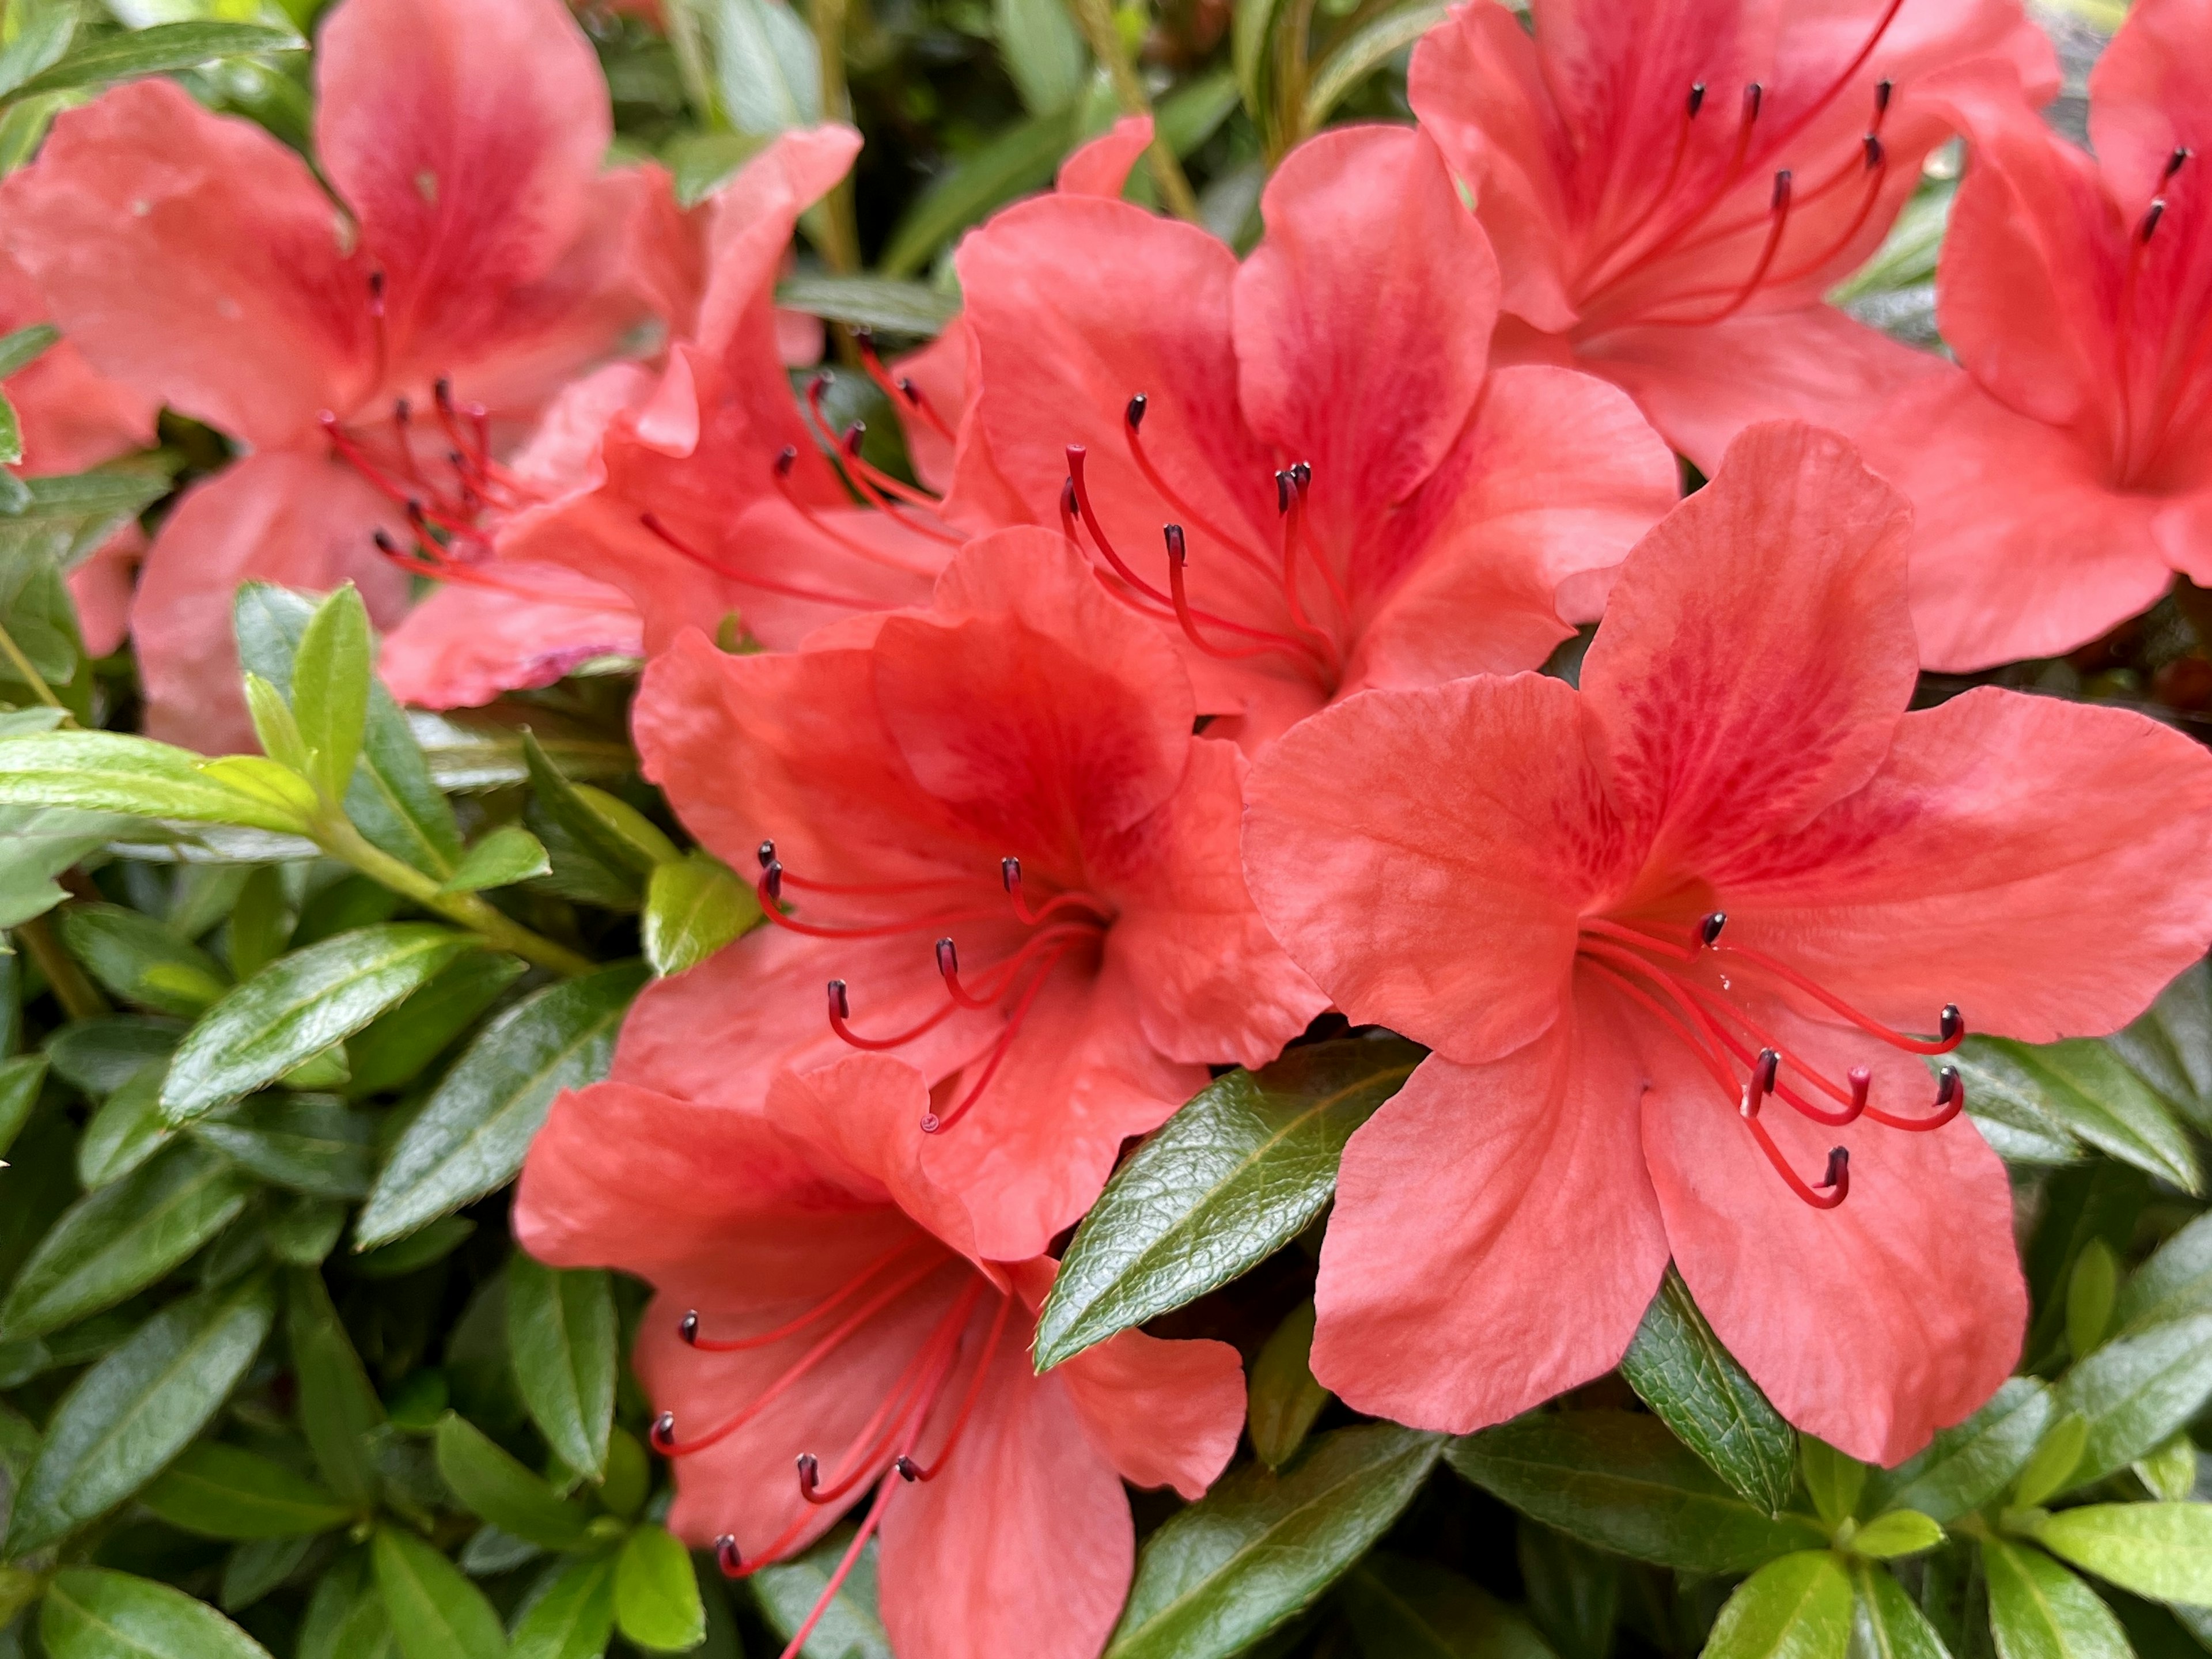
[(345, 1616), (889, 304), (1261, 1546), (1407, 1609), (141, 961), (126, 1130), (2170, 1047), (2090, 1292), (331, 674), (275, 727), (138, 1408), (656, 1594), (469, 1139), (1042, 53), (338, 1408), (1283, 1397), (560, 1330), (1573, 1590), (436, 1613), (417, 1251), (226, 1491), (693, 908), (574, 1618), (1250, 28), (1797, 1608), (396, 1047), (490, 1483), (1622, 1482), (257, 1566), (2084, 1086), (1227, 1180), (2039, 1610), (850, 1627), (156, 50), (300, 1004), (109, 772), (1833, 1480), (123, 1237), (506, 855), (2175, 1283), (2163, 1551), (2136, 1390), (615, 835), (1968, 1466), (1885, 1623), (20, 1079), (100, 1056), (304, 1142), (1900, 1532), (91, 1613), (1679, 1369)]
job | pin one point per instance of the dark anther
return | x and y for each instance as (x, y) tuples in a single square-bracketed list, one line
[(442, 389), (1781, 191), (401, 409), (1950, 1023), (1947, 1085), (863, 336), (907, 1468), (376, 293), (1754, 96), (810, 1475), (1874, 153), (385, 544), (1709, 930), (1284, 486), (1135, 413), (853, 434), (1010, 873), (2150, 219), (2173, 162), (1882, 88), (840, 1005), (1172, 534), (785, 458), (688, 1327), (1769, 1063), (766, 854), (1840, 1171), (662, 1432), (908, 391), (1067, 497), (1696, 98), (727, 1556), (1302, 473), (948, 959), (772, 883), (414, 515)]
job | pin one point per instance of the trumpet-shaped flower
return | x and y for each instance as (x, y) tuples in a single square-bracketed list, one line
[(1670, 938)]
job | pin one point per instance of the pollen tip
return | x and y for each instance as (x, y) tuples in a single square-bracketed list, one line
[(1696, 98), (810, 1474), (1781, 190), (1951, 1024), (1839, 1178), (863, 336), (853, 434), (1135, 412), (384, 544), (662, 1434), (1876, 155), (1283, 489), (785, 458), (2173, 162), (402, 410), (1754, 96), (727, 1556), (688, 1328), (766, 853), (442, 389), (907, 1467), (1010, 873), (2151, 218), (1882, 91), (1949, 1085), (772, 882), (1302, 474), (948, 959), (841, 1005), (1172, 535), (1769, 1066), (1709, 930)]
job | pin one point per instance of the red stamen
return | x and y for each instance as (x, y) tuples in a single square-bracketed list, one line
[(1951, 1025), (1132, 418), (687, 1326), (1950, 1101), (907, 1468), (931, 1122), (744, 578), (781, 468), (840, 1009)]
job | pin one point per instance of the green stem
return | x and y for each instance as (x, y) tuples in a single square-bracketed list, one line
[(79, 997), (341, 840), (840, 242), (1096, 19), (28, 675)]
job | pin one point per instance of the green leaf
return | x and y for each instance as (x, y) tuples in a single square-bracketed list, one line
[(91, 1613), (1407, 1609), (1900, 1532), (2057, 1457), (656, 1594), (508, 855), (1018, 161), (1885, 1622), (2163, 1551), (38, 843), (122, 1238), (22, 348), (628, 1477), (141, 961), (11, 433), (2169, 1471), (299, 1006), (266, 781), (2169, 1047), (331, 674), (1042, 53), (767, 69), (1373, 44), (20, 1082), (1679, 1369), (302, 1231), (259, 1565), (1225, 1183), (305, 1144), (2136, 1390), (417, 1251), (1261, 1546), (66, 518), (1624, 1483), (491, 1484), (42, 36), (126, 1130), (2084, 1087), (615, 834), (469, 1137), (109, 772), (346, 1618), (391, 800), (1968, 1466), (137, 1409), (561, 1331), (1284, 1397), (574, 1617), (338, 1408), (1797, 1608), (2089, 1293), (274, 726), (693, 908), (2175, 1283), (100, 1056), (2039, 1610), (226, 1491), (436, 1613), (890, 304), (1832, 1479), (1249, 29), (849, 1628), (395, 1047)]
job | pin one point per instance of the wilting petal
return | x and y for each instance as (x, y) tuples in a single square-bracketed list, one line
[(464, 645), (1495, 1240)]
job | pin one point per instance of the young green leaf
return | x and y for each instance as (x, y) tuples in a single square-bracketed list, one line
[(137, 1409), (1679, 1369), (226, 1491), (1797, 1608), (331, 675), (506, 855), (612, 832), (91, 1613), (2136, 1390), (2039, 1610), (338, 1408), (656, 1594), (142, 961), (469, 1139), (274, 726), (560, 1330), (20, 348), (1405, 1609), (1624, 1483), (2057, 1457), (492, 1483), (628, 1477), (436, 1613), (1886, 1624), (2089, 1294), (124, 1132), (109, 772), (2169, 1471), (1832, 1479), (1284, 1397), (11, 435), (1224, 1183), (1968, 1466), (573, 1617), (305, 1144), (299, 1006), (1900, 1532), (276, 786), (2163, 1551), (693, 908), (157, 51), (1262, 1546)]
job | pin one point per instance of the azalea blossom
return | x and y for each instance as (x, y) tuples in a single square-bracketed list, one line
[(476, 244), (2063, 473), (987, 840), (1670, 938), (1298, 467), (1673, 184)]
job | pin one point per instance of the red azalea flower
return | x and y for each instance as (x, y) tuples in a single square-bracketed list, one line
[(1352, 500), (2065, 472), (195, 257), (987, 829), (1673, 184), (1665, 936), (825, 1322)]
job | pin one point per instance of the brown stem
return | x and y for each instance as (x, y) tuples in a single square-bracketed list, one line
[(79, 997), (1096, 19)]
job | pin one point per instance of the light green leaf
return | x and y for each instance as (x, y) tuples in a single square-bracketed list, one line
[(1250, 31), (560, 1330), (274, 728), (887, 303), (300, 1004), (766, 67), (1968, 1466), (656, 1594), (1284, 1398), (2084, 1087), (1679, 1369), (37, 843), (66, 518), (2090, 1292), (1227, 1180), (2039, 1610), (574, 1618), (22, 347), (2136, 1390), (11, 432), (2169, 1471), (1832, 1479), (1900, 1532), (693, 908), (1797, 1608), (141, 961), (2163, 1551), (1373, 44), (1407, 1609), (109, 772), (2057, 1457), (1886, 1624), (612, 831), (1262, 1546), (1042, 53), (469, 1137), (91, 1613), (508, 855), (436, 1613), (331, 675), (226, 1491), (850, 1628)]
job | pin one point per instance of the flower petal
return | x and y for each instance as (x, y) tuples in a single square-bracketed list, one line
[(1100, 167), (464, 645), (1163, 1413)]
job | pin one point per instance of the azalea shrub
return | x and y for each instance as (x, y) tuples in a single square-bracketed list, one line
[(1158, 830)]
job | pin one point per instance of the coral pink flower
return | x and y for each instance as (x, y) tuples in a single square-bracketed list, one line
[(1665, 935), (821, 1300), (1358, 502), (2062, 475), (1009, 774), (198, 259), (1672, 185)]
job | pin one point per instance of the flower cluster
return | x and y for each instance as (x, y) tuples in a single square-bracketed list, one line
[(1188, 689)]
